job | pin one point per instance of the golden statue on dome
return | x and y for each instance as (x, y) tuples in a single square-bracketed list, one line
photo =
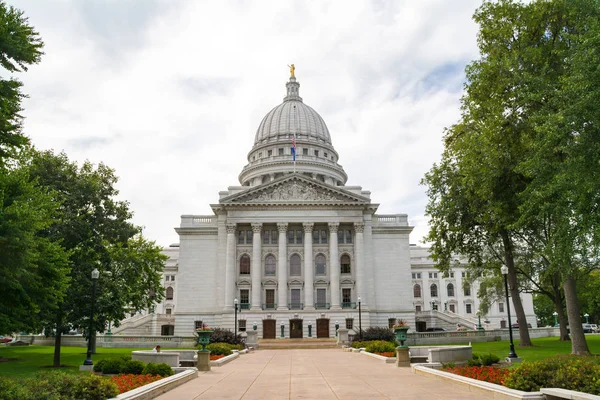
[(292, 70)]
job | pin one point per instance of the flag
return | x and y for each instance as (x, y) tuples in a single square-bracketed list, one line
[(294, 148)]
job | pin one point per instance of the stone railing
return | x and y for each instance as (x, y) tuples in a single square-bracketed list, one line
[(116, 341), (198, 220), (456, 337), (391, 219)]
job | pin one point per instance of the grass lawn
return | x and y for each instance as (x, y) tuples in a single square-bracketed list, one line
[(542, 348), (25, 361)]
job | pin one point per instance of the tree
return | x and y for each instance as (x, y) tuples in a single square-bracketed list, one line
[(20, 46), (96, 231)]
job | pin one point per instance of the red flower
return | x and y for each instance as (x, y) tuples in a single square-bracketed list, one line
[(488, 374), (127, 382)]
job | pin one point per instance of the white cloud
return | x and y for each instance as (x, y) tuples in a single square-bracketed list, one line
[(170, 94)]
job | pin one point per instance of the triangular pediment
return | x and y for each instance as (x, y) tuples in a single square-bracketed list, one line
[(295, 189)]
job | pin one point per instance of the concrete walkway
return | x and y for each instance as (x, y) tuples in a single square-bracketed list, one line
[(313, 374)]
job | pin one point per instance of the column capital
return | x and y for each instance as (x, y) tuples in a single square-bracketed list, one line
[(282, 227), (256, 227), (231, 227), (308, 227), (333, 227), (359, 227)]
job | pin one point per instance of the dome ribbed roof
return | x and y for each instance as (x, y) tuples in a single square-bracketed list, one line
[(292, 117)]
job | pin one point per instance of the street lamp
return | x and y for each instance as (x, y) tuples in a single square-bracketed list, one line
[(235, 302), (95, 275), (359, 321), (445, 306), (511, 354), (282, 328), (586, 315), (555, 318), (479, 327), (337, 326), (309, 328)]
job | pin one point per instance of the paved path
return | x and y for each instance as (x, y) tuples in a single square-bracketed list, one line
[(313, 374)]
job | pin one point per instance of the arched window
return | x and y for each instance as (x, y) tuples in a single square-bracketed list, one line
[(467, 289), (345, 264), (295, 265), (417, 291), (245, 265), (169, 293), (270, 265), (450, 289), (320, 264), (433, 289)]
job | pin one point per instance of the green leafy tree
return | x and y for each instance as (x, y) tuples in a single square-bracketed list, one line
[(20, 46)]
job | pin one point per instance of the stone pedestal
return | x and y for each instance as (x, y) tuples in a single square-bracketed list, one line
[(342, 337), (402, 357), (252, 339), (203, 361), (86, 368)]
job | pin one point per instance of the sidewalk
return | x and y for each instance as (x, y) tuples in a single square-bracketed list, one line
[(313, 374)]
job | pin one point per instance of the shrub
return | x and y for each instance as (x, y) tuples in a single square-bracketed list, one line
[(98, 365), (161, 369), (380, 346), (11, 389), (112, 365), (93, 387), (219, 349), (578, 373), (59, 385), (133, 367), (221, 335), (378, 333), (358, 345), (480, 359)]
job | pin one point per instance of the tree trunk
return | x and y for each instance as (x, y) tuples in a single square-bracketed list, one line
[(514, 292), (578, 343), (57, 340), (562, 318)]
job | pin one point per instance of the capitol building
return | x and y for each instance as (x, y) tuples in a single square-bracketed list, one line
[(293, 246)]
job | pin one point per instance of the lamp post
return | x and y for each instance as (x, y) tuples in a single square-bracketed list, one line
[(359, 321), (511, 354), (587, 316), (445, 306), (88, 360), (282, 329), (555, 318), (479, 327), (309, 329), (337, 326), (235, 308), (255, 326)]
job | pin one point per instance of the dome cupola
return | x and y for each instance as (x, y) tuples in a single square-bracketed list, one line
[(271, 155)]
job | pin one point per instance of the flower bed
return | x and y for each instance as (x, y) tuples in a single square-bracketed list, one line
[(386, 353), (214, 357), (488, 374), (127, 382)]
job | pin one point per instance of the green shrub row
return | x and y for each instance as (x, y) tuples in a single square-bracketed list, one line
[(58, 386), (480, 359), (376, 333), (221, 348), (578, 373), (125, 365), (375, 346), (220, 335)]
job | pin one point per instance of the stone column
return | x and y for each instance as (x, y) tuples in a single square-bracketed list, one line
[(359, 261), (309, 269), (256, 270), (334, 266), (282, 268), (230, 267)]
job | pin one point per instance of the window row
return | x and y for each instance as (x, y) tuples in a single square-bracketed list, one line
[(296, 302), (305, 152), (434, 275), (452, 308), (295, 267), (433, 290), (169, 278), (320, 236)]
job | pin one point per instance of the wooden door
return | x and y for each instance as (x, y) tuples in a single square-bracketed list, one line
[(295, 328), (269, 329), (323, 328)]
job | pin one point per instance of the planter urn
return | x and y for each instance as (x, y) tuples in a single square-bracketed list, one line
[(401, 335), (204, 339)]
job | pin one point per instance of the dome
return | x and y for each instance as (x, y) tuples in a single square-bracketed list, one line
[(292, 117), (272, 154)]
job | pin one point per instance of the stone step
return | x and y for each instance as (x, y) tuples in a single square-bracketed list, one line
[(280, 344)]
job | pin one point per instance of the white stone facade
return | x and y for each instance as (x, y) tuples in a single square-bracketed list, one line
[(297, 248)]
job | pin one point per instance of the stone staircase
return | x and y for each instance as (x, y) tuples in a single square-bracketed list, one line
[(307, 343)]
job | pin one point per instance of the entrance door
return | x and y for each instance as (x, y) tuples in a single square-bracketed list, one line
[(323, 328), (268, 329), (167, 330), (295, 328), (421, 326)]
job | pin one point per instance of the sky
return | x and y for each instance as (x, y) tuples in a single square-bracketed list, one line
[(170, 93)]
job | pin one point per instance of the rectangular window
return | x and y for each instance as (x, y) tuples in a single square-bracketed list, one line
[(322, 297), (197, 324), (296, 303), (391, 322), (349, 323), (418, 309), (249, 237), (501, 307), (172, 278), (346, 295), (241, 236), (451, 274), (266, 237), (414, 275), (316, 153), (280, 151), (320, 270), (270, 298), (270, 153), (323, 237), (348, 236), (298, 237), (244, 297), (290, 237), (345, 264), (468, 308), (260, 155), (166, 278), (463, 274), (305, 152), (274, 237), (315, 237), (452, 308), (325, 155), (242, 325), (340, 236), (168, 311), (435, 307)]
